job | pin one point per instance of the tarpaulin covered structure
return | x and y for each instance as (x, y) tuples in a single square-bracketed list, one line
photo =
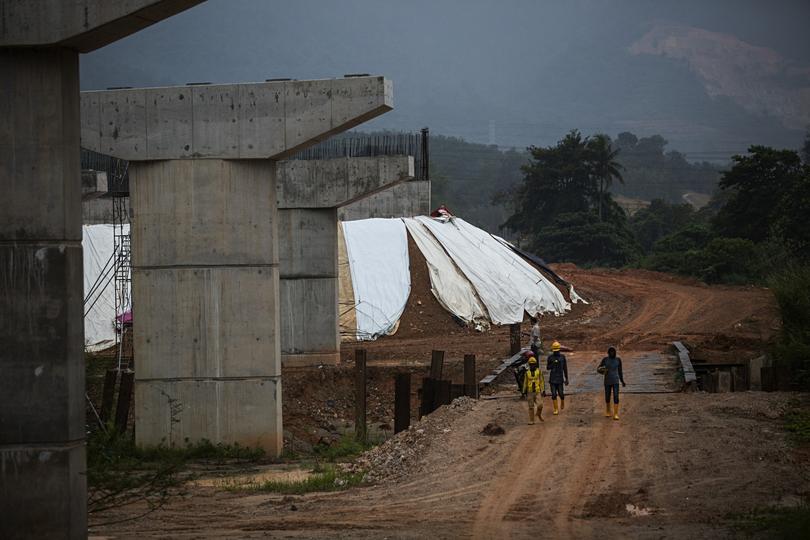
[(478, 277), (98, 245)]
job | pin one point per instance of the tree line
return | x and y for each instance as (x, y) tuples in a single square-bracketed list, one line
[(754, 229)]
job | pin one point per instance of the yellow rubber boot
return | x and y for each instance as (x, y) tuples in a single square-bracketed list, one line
[(554, 402), (615, 411), (562, 404), (607, 410)]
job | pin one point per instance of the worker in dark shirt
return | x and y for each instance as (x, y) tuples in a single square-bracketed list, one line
[(557, 376), (611, 367)]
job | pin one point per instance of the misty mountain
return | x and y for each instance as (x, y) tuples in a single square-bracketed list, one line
[(711, 79)]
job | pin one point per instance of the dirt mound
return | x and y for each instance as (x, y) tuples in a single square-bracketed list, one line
[(423, 315), (402, 454)]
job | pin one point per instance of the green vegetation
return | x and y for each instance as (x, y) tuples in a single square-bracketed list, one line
[(776, 522), (120, 473), (797, 423), (324, 478), (791, 287), (467, 176), (346, 447), (650, 172)]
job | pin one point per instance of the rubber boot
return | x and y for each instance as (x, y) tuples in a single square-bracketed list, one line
[(607, 410), (554, 402), (540, 412), (615, 411), (562, 404), (531, 416)]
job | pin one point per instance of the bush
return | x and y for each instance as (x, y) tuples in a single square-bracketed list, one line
[(693, 252), (583, 239), (792, 291)]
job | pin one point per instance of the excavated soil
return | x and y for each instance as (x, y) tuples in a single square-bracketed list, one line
[(674, 466)]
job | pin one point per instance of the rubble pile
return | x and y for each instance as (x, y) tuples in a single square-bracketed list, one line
[(401, 455)]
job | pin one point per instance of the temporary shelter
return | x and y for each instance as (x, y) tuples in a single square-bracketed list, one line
[(478, 277)]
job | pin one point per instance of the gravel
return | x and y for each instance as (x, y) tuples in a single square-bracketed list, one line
[(402, 454)]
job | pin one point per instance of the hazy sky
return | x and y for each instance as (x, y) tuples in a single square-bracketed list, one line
[(510, 72)]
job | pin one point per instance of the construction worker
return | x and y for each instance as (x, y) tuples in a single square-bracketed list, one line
[(533, 384), (519, 367), (557, 376), (611, 367)]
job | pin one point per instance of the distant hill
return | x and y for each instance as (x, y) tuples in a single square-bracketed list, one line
[(509, 73), (758, 79)]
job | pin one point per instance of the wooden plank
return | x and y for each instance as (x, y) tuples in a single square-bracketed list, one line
[(428, 393), (124, 400), (457, 391), (436, 364), (443, 394), (470, 386), (360, 428), (492, 377), (689, 376), (402, 402), (514, 338), (107, 395)]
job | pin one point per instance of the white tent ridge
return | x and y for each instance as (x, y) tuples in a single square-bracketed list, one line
[(474, 275)]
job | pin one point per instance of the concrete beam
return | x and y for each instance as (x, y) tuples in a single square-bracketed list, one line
[(81, 25), (329, 183), (407, 199), (270, 120)]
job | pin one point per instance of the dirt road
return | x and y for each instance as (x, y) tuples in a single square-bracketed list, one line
[(675, 465), (630, 309)]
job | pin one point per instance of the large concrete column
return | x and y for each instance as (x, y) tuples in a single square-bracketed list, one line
[(42, 456), (205, 251), (310, 192)]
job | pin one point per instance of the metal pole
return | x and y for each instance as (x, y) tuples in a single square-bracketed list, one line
[(402, 402), (470, 384), (360, 430)]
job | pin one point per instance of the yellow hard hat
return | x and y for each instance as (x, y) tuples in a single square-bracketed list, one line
[(532, 360), (555, 346)]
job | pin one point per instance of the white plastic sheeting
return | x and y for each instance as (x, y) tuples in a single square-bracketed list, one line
[(98, 244), (507, 285), (453, 291), (377, 250)]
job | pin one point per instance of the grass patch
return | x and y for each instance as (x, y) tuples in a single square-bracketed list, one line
[(777, 523), (346, 447), (797, 423), (120, 473), (324, 478)]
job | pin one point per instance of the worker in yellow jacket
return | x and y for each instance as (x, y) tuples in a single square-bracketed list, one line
[(534, 383)]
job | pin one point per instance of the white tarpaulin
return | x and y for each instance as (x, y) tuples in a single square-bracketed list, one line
[(377, 250), (506, 284), (453, 291), (99, 289)]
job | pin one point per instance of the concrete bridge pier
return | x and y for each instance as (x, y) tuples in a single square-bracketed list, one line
[(309, 197), (205, 257), (42, 425)]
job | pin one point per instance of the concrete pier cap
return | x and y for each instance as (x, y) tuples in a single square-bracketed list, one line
[(42, 395), (205, 241), (269, 120)]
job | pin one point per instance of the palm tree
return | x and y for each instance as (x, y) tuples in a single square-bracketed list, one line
[(604, 165)]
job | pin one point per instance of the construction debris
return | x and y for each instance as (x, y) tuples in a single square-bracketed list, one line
[(402, 454)]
